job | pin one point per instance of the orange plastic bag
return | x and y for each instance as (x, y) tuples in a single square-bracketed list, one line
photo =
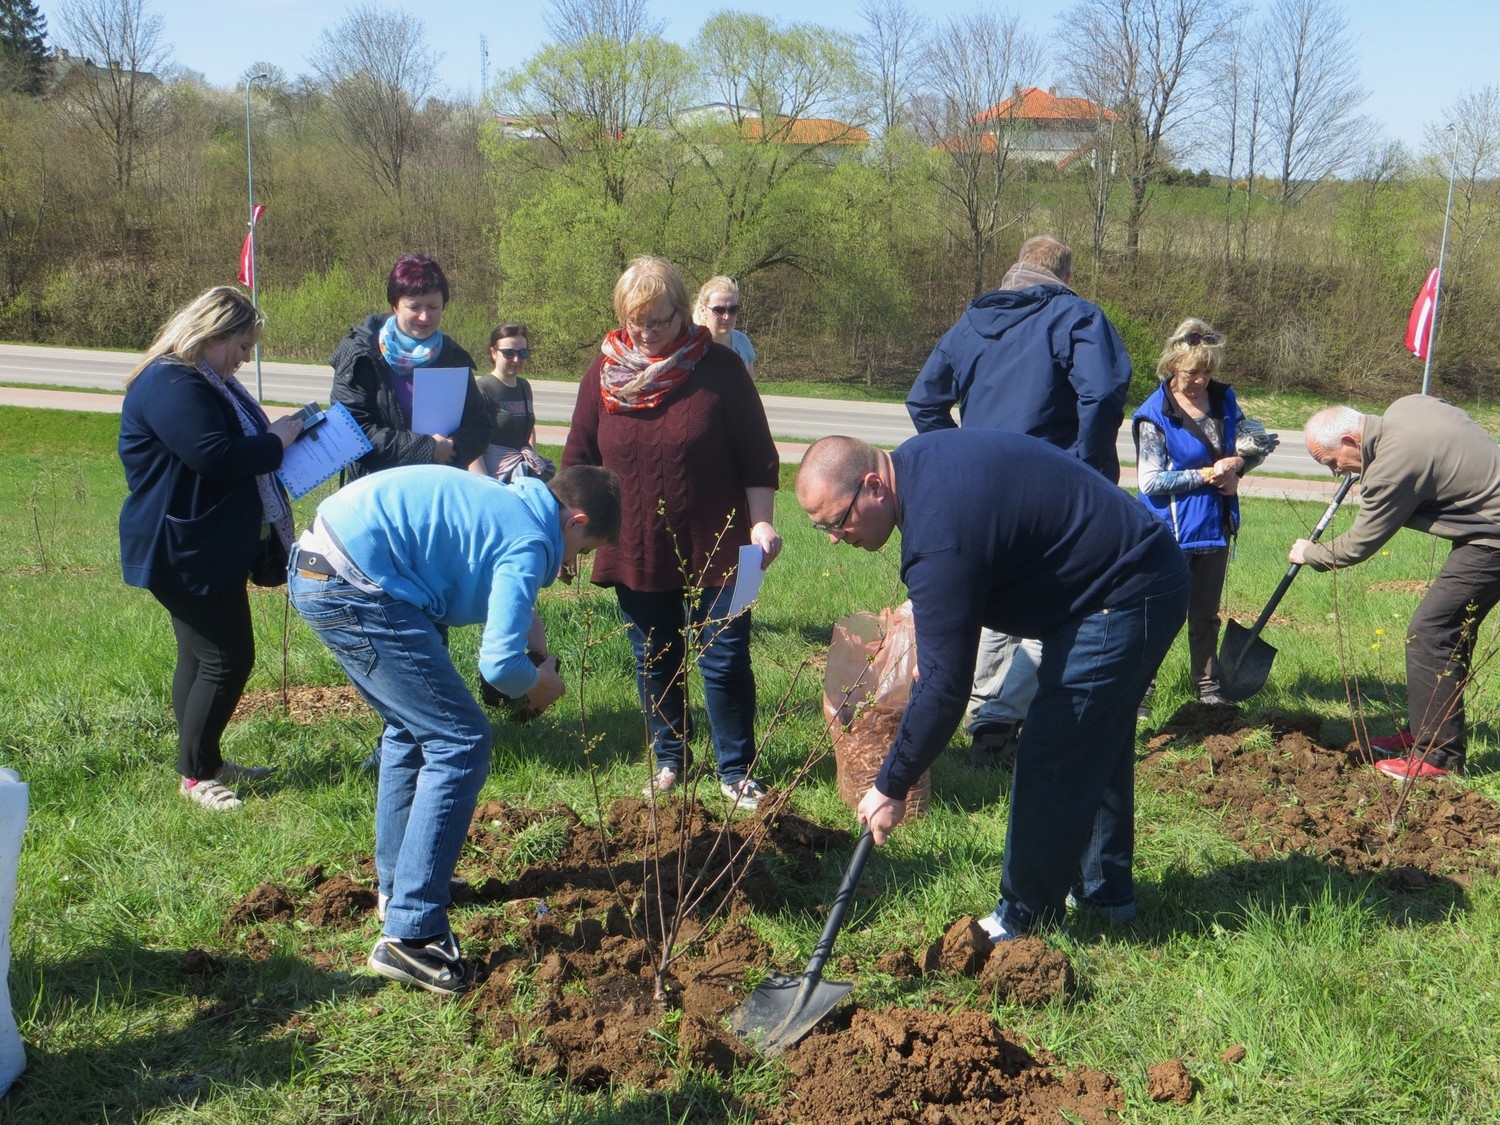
[(872, 661)]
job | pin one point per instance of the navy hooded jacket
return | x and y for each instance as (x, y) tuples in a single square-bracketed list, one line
[(1039, 361)]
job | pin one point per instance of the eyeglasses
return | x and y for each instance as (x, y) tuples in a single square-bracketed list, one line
[(724, 310), (655, 325), (515, 353), (1193, 339), (838, 524)]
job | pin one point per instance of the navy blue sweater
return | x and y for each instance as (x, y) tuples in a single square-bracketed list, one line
[(1005, 531)]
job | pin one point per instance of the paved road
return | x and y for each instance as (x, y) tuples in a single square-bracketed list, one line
[(798, 418)]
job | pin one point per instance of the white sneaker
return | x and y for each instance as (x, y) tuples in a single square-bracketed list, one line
[(746, 793), (661, 783), (382, 903), (994, 929)]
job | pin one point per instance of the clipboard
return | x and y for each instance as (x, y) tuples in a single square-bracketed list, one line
[(321, 453)]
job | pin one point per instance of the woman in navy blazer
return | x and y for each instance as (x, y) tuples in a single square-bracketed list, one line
[(199, 454)]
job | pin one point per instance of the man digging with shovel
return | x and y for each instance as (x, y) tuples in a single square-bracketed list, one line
[(1425, 465), (1007, 532)]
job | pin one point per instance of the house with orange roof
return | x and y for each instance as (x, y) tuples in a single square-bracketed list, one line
[(838, 139), (1046, 128)]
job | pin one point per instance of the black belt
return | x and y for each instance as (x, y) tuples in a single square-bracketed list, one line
[(310, 565)]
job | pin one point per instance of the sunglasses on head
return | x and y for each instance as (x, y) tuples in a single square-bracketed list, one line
[(724, 310), (1193, 339), (515, 353)]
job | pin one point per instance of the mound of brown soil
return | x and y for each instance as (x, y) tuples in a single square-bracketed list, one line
[(568, 949), (1278, 790)]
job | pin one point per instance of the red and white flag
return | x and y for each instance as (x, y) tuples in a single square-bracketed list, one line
[(1419, 324), (247, 250)]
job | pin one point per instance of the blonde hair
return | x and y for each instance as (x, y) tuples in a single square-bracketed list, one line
[(646, 280), (217, 314), (1179, 354), (719, 284)]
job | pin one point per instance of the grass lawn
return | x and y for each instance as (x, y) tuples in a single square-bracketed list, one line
[(1352, 1006)]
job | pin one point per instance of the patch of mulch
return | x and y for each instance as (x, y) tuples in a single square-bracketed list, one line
[(1279, 790), (309, 705), (563, 968), (1400, 586)]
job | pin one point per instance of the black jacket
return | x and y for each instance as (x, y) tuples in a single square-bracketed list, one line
[(362, 382)]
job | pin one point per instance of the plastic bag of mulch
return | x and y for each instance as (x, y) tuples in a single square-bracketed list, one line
[(872, 661)]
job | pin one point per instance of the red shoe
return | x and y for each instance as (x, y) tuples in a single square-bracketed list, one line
[(1394, 743), (1412, 768)]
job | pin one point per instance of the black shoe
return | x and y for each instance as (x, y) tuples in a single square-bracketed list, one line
[(994, 748), (437, 966)]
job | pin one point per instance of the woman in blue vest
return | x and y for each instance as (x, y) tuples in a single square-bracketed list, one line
[(1192, 446)]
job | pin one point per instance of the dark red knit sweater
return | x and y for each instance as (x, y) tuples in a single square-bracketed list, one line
[(684, 466)]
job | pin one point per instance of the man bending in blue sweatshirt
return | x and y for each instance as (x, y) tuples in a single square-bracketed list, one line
[(1004, 531), (389, 562)]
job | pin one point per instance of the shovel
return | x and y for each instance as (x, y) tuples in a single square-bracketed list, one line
[(1245, 659), (783, 1008)]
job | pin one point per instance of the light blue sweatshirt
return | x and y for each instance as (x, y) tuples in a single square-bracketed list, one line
[(462, 548)]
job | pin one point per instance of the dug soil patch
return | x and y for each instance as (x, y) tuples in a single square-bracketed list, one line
[(565, 972), (1278, 790), (308, 705)]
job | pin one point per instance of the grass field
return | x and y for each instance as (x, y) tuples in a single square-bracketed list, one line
[(1352, 1008)]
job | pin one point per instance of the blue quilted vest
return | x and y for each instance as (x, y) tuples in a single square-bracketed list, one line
[(1203, 519)]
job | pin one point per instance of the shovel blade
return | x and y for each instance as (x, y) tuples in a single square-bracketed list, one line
[(773, 1017), (1244, 662)]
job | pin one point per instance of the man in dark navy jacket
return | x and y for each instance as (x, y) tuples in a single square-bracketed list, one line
[(1031, 357), (1005, 531)]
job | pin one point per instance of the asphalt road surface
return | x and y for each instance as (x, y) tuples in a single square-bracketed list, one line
[(801, 419)]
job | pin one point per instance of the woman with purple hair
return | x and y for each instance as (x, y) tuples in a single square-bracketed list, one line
[(374, 368)]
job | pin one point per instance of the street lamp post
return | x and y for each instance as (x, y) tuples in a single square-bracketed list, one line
[(250, 182)]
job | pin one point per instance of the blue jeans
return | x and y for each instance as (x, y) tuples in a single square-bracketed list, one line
[(434, 754), (658, 624), (1072, 806)]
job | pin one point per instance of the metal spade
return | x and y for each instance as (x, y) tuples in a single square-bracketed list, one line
[(1245, 659), (783, 1008)]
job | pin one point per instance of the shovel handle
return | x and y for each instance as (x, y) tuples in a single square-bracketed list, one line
[(841, 900), (1291, 571)]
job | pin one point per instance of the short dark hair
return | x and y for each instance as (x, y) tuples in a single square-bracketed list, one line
[(595, 492), (413, 275), (505, 330)]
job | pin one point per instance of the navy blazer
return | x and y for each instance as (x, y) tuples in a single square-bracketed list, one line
[(193, 518)]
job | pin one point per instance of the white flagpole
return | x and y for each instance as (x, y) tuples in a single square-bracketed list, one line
[(1437, 290), (250, 183)]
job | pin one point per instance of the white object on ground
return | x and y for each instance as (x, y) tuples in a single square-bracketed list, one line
[(14, 796)]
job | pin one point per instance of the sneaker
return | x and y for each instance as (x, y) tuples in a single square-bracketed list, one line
[(661, 783), (1215, 699), (994, 929), (437, 966), (994, 748), (211, 794), (1394, 743), (232, 772), (382, 904), (1413, 768), (746, 793)]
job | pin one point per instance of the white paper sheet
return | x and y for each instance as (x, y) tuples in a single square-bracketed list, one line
[(437, 399), (748, 578), (320, 452)]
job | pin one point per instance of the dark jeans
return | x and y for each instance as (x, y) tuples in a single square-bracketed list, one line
[(215, 655), (1072, 806), (1439, 646), (658, 624)]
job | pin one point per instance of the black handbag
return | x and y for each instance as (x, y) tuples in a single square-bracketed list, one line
[(269, 567)]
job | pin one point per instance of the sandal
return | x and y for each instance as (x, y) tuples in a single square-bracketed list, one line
[(211, 794), (232, 772)]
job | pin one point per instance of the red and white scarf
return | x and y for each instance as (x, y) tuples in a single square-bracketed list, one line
[(632, 380)]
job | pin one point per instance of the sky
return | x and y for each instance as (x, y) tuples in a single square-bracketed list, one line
[(1416, 59)]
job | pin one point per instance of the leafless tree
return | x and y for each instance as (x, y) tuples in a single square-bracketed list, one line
[(112, 82), (379, 71), (1151, 63), (574, 22), (974, 63), (1313, 93), (1240, 103), (889, 53), (1469, 147)]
